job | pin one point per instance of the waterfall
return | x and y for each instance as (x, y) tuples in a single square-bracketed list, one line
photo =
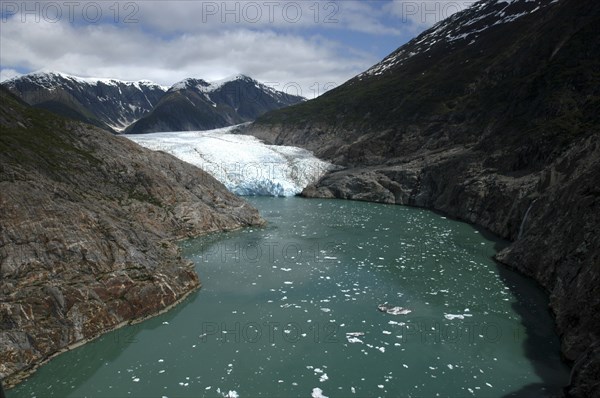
[(522, 226)]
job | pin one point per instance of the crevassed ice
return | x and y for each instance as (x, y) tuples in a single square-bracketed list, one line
[(244, 164)]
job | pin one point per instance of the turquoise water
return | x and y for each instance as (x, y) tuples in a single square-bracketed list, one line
[(278, 303)]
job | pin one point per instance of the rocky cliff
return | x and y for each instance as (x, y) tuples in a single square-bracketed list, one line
[(87, 228), (491, 116)]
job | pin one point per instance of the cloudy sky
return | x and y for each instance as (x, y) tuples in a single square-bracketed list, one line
[(311, 45)]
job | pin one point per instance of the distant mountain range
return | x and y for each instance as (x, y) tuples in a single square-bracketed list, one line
[(143, 106), (195, 104)]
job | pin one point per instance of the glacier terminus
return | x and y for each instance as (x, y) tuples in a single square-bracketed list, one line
[(244, 164)]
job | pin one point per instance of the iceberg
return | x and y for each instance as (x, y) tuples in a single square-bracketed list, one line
[(243, 163), (393, 310)]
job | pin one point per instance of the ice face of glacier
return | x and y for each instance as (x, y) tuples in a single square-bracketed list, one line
[(244, 164)]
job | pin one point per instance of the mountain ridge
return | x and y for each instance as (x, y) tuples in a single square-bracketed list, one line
[(195, 104), (118, 105), (107, 103)]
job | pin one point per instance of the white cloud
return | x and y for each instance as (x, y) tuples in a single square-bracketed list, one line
[(314, 44), (420, 15), (132, 54), (6, 74), (186, 16), (366, 17)]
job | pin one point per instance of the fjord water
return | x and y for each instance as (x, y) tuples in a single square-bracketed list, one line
[(277, 304)]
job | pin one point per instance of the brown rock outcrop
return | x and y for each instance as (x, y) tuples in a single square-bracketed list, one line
[(87, 228)]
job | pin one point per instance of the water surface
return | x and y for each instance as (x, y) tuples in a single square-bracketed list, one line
[(291, 310)]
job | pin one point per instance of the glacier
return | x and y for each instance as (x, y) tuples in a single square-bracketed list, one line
[(243, 163)]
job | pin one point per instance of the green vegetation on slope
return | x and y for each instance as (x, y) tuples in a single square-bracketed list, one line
[(535, 78), (34, 136)]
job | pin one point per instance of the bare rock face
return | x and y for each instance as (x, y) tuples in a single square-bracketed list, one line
[(87, 228)]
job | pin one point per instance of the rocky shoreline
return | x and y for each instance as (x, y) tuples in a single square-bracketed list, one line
[(87, 234), (550, 214), (23, 374)]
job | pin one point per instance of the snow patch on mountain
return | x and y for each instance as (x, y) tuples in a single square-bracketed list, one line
[(52, 79), (468, 24), (190, 82), (207, 88), (217, 84), (244, 164)]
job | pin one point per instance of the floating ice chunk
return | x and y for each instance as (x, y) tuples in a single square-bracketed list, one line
[(317, 393), (323, 377), (388, 309), (353, 340), (326, 309), (355, 334), (456, 316)]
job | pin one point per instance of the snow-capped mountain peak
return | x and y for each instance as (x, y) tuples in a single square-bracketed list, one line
[(103, 102), (52, 79), (195, 104), (209, 87), (191, 104), (190, 83), (461, 28)]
